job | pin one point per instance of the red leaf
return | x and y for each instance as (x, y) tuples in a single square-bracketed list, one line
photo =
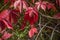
[(31, 15), (23, 25), (0, 38), (3, 19), (41, 4), (45, 5), (58, 2), (16, 3), (6, 35), (11, 1), (2, 26), (57, 16), (13, 16), (25, 5), (4, 14), (5, 1), (8, 24), (20, 4), (32, 32), (37, 5), (51, 6)]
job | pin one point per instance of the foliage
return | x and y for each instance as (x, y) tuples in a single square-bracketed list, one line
[(29, 19)]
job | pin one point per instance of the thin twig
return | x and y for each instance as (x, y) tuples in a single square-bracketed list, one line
[(47, 34), (53, 32), (40, 21), (41, 30), (53, 28), (47, 16), (3, 6), (50, 28)]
